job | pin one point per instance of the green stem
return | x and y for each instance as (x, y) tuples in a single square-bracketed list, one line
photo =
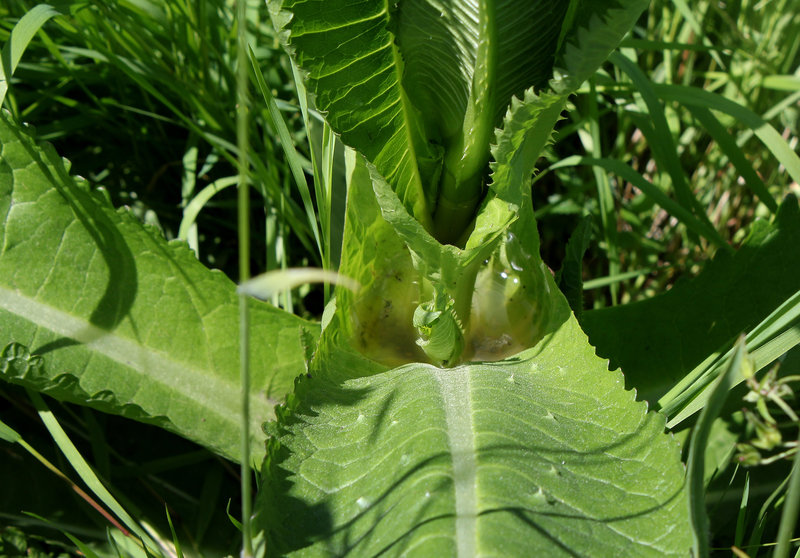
[(454, 212), (243, 143), (462, 296), (791, 509)]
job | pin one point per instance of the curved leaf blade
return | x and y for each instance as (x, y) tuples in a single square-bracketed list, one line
[(18, 41), (97, 309)]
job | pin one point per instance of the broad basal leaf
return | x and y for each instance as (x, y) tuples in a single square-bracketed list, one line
[(542, 455), (96, 309), (659, 340)]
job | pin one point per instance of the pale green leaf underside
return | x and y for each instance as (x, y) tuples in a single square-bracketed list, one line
[(459, 52), (353, 69), (544, 455), (117, 318)]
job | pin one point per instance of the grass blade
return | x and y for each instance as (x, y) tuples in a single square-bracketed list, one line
[(688, 15), (728, 145), (605, 195), (742, 516), (21, 35), (691, 96), (791, 508), (243, 224), (85, 471), (198, 202), (754, 542), (697, 446), (775, 335), (79, 544), (9, 434), (671, 206), (175, 540), (292, 156), (267, 284), (662, 144)]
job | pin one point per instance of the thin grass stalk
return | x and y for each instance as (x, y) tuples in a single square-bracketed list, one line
[(791, 509), (696, 462), (243, 223), (662, 143), (87, 475), (738, 536), (605, 194), (328, 155)]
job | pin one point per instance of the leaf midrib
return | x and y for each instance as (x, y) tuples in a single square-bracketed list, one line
[(207, 390), (457, 403)]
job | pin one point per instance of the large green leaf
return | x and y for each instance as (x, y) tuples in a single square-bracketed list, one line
[(659, 340), (545, 454), (97, 309)]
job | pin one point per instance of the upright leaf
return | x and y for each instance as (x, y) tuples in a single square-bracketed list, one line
[(463, 61), (97, 309), (353, 67), (418, 86), (400, 265)]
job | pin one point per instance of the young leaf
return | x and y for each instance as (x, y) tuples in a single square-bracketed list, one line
[(97, 309), (418, 87), (399, 264)]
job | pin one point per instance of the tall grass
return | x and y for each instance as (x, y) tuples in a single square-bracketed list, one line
[(743, 52), (141, 95)]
